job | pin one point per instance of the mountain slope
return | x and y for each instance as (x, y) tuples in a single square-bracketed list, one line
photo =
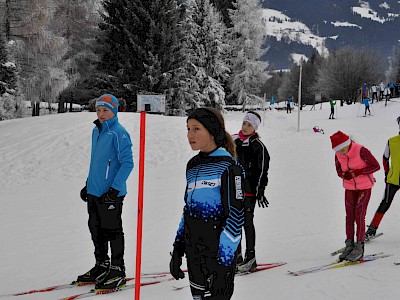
[(314, 25)]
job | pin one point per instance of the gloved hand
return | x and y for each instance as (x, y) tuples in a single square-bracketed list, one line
[(262, 201), (219, 280), (176, 262), (84, 195), (110, 197), (352, 174), (386, 174)]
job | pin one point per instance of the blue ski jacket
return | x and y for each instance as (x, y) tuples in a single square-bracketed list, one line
[(213, 214), (111, 159)]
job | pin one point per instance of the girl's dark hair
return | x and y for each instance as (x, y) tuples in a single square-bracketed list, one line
[(398, 120), (207, 116)]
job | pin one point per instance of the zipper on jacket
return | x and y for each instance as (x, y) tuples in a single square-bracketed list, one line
[(108, 168)]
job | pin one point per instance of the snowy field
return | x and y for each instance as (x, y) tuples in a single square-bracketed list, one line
[(43, 223)]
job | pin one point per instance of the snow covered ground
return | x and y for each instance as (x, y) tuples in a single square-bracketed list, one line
[(44, 238)]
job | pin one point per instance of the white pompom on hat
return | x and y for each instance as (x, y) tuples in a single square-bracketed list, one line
[(339, 140)]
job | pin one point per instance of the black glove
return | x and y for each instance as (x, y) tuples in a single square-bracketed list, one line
[(176, 262), (219, 281), (262, 201), (84, 194), (110, 197), (386, 174)]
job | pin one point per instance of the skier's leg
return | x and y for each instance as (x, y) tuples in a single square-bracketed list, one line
[(249, 229), (350, 205), (361, 210), (99, 241), (111, 225)]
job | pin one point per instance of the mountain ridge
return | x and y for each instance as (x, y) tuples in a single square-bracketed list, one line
[(322, 25)]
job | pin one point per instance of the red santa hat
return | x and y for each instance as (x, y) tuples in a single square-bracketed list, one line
[(339, 140)]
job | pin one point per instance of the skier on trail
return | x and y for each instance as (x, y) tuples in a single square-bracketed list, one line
[(392, 180), (110, 165), (386, 93), (374, 90), (367, 104), (210, 228), (355, 165), (364, 91), (254, 157), (381, 89), (332, 105), (289, 105)]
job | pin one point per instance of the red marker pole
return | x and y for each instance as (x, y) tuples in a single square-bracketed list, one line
[(140, 204)]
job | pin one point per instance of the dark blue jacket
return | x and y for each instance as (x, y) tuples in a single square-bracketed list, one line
[(213, 214)]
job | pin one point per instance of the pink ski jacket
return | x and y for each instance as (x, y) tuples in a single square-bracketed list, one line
[(357, 158)]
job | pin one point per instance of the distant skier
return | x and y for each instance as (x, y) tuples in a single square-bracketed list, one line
[(364, 91), (381, 89), (392, 180), (367, 104), (374, 90), (254, 157), (355, 165), (289, 105), (332, 105), (386, 93)]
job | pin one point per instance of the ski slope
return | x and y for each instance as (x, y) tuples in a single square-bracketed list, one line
[(44, 239)]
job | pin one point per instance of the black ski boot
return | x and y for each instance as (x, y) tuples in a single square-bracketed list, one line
[(249, 264), (116, 278), (370, 232), (95, 274), (347, 250)]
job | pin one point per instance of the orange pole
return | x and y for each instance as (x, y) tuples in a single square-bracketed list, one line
[(140, 204)]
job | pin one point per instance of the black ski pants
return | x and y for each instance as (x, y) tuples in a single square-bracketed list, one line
[(105, 225), (249, 229), (388, 196), (208, 279)]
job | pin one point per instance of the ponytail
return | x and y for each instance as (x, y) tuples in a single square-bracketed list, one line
[(230, 145)]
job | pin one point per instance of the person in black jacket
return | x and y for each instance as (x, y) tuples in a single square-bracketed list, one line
[(210, 228), (254, 157)]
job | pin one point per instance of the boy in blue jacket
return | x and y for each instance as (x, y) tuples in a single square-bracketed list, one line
[(111, 163)]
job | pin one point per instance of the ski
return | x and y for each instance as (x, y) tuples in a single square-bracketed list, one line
[(366, 241), (338, 264), (95, 292), (74, 284), (262, 267)]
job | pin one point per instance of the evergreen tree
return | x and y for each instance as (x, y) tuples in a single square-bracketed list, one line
[(247, 36), (139, 44), (223, 7), (204, 65), (75, 22), (10, 90)]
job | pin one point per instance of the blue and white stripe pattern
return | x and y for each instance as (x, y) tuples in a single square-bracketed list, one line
[(214, 193)]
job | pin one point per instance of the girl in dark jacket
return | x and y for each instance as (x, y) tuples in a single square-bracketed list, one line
[(210, 227), (254, 157)]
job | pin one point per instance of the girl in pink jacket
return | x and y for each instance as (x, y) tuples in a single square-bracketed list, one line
[(355, 165)]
